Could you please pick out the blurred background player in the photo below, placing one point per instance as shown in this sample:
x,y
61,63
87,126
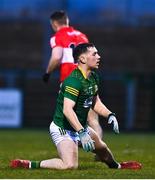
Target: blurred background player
x,y
62,43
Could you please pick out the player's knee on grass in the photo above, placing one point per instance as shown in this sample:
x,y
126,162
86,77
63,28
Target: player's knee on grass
x,y
71,165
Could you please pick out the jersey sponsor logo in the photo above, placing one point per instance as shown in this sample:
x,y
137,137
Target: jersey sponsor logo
x,y
88,102
77,33
72,90
89,91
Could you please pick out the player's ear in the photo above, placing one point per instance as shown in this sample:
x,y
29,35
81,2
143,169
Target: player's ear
x,y
54,25
82,59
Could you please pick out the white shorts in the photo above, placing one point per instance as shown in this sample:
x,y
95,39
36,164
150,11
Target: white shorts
x,y
58,134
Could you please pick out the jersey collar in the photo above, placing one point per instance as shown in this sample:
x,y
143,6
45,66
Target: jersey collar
x,y
83,73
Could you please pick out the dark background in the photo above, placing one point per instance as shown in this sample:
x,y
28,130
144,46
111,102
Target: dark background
x,y
122,30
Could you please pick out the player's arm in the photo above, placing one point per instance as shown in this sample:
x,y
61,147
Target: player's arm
x,y
70,114
54,62
102,110
87,142
55,59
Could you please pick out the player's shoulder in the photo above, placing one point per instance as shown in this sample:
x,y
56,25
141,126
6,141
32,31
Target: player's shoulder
x,y
62,34
72,81
62,31
58,34
58,38
75,76
72,31
80,36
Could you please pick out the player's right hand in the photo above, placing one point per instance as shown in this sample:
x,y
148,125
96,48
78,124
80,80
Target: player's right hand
x,y
86,141
112,120
46,77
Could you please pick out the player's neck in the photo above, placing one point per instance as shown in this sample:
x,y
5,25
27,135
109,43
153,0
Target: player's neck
x,y
84,70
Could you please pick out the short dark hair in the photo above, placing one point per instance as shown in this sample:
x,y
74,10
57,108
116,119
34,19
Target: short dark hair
x,y
59,16
80,49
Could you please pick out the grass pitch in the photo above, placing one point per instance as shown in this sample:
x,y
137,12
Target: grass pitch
x,y
36,145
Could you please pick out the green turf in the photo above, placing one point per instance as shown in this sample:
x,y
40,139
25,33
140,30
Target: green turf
x,y
36,145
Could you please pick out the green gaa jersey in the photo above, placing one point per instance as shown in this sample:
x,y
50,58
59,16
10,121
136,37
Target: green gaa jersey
x,y
82,91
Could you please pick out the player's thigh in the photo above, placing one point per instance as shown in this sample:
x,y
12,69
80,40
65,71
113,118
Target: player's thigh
x,y
98,141
66,143
93,121
92,116
68,152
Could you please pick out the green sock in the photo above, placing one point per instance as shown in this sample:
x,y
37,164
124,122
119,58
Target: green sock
x,y
35,164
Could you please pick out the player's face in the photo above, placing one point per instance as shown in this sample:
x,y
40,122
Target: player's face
x,y
93,58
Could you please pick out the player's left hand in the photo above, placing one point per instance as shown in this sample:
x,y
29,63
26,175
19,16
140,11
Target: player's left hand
x,y
112,119
46,77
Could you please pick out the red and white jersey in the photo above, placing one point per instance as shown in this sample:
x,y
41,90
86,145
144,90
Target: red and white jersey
x,y
67,38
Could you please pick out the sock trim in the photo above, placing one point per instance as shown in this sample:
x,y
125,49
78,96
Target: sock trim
x,y
35,164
